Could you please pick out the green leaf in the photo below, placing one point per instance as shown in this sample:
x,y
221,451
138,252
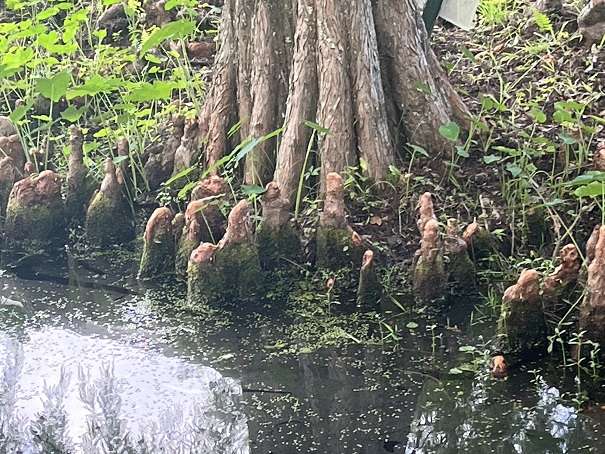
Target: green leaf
x,y
491,159
412,325
250,190
462,151
450,131
96,84
19,112
148,92
73,114
48,12
455,371
419,150
567,139
173,30
188,187
538,115
54,87
592,190
514,169
317,128
542,21
468,54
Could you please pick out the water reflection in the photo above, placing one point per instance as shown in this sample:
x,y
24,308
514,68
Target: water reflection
x,y
149,385
485,417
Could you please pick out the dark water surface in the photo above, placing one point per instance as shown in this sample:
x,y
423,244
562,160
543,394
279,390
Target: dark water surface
x,y
354,399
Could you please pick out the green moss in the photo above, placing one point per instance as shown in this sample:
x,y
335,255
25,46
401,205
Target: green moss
x,y
521,328
234,274
33,227
76,202
184,250
157,258
335,249
461,275
429,281
272,245
369,292
108,222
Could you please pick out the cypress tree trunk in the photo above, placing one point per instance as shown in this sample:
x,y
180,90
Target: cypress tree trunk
x,y
363,70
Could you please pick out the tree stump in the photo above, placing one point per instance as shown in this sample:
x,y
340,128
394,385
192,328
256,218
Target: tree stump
x,y
108,218
35,216
158,249
275,236
338,245
229,271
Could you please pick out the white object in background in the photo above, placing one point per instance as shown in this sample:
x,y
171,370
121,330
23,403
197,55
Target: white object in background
x,y
459,12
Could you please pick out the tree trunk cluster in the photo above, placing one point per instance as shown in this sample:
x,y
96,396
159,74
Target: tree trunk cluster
x,y
363,71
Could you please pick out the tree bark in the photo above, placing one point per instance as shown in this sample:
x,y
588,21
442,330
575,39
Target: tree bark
x,y
363,70
219,107
301,104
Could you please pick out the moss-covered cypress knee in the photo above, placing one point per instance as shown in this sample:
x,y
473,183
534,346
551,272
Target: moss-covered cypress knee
x,y
35,216
80,185
158,248
7,179
338,245
204,221
229,271
369,291
459,268
429,272
522,327
109,219
275,236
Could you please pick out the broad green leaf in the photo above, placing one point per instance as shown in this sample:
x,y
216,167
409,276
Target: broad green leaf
x,y
54,87
95,85
538,115
19,112
73,114
450,131
173,30
491,159
455,371
514,169
592,190
48,12
567,139
148,92
412,325
461,151
250,190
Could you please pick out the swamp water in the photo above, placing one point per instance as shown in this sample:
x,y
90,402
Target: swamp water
x,y
175,374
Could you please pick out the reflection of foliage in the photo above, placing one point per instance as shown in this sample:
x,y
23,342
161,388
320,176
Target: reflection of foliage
x,y
458,416
218,427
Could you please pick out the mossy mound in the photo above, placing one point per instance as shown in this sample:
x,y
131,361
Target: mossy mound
x,y
233,274
34,227
336,250
76,202
108,221
183,252
461,275
429,281
158,259
521,329
276,244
